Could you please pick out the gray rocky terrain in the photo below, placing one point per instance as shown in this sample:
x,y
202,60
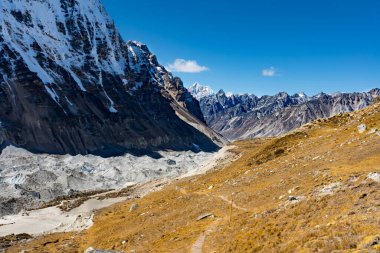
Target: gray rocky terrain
x,y
28,180
247,116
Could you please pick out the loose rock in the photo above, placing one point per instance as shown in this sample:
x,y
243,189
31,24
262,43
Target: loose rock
x,y
133,207
204,216
328,189
295,199
362,128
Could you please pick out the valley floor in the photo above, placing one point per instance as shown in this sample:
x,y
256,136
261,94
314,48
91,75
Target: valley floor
x,y
316,189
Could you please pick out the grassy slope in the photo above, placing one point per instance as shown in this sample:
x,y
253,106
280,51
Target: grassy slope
x,y
261,217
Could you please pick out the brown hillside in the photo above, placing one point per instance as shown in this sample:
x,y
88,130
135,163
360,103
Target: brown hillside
x,y
313,190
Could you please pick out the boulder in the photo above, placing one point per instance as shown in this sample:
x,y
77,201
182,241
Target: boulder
x,y
362,128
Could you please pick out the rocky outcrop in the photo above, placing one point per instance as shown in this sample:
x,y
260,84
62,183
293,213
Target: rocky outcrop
x,y
70,85
247,116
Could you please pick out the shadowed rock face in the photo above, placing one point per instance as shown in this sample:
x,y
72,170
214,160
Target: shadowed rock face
x,y
248,116
70,85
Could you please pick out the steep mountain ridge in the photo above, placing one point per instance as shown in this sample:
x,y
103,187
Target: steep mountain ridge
x,y
69,84
247,116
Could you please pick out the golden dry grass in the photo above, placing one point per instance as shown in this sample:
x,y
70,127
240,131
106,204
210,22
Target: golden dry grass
x,y
262,218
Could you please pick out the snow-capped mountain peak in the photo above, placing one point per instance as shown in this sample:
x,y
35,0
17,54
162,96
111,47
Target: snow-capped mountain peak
x,y
70,84
302,95
51,29
200,91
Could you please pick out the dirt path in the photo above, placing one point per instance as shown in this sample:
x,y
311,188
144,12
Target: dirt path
x,y
198,245
230,202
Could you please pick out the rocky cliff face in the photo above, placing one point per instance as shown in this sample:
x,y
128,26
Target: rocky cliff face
x,y
69,84
248,116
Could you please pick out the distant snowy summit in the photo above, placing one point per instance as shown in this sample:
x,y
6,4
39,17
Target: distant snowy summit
x,y
200,91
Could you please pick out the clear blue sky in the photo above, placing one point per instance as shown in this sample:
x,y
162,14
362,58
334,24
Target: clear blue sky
x,y
304,45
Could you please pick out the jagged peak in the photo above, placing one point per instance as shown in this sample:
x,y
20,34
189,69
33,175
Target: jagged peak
x,y
221,92
321,94
200,91
375,91
138,44
282,95
302,94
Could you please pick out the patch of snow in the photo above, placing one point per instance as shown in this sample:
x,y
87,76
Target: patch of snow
x,y
112,109
229,94
302,95
52,94
52,219
374,176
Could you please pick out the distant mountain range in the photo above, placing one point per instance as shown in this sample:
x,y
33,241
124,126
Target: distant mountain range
x,y
247,116
69,84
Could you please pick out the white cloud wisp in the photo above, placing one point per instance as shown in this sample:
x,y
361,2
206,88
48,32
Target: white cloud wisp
x,y
269,72
184,66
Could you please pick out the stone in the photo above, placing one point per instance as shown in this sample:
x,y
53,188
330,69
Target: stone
x,y
362,128
295,199
171,162
204,216
133,207
372,131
